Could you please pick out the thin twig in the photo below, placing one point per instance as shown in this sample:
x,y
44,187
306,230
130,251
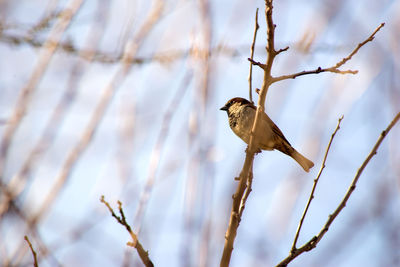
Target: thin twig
x,y
246,193
282,50
256,27
335,68
19,253
35,261
369,39
315,185
312,243
253,62
143,254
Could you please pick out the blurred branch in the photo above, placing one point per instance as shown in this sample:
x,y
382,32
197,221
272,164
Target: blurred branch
x,y
206,137
130,51
35,262
18,181
158,148
335,68
46,54
143,254
312,243
256,27
44,23
112,58
73,156
315,185
165,57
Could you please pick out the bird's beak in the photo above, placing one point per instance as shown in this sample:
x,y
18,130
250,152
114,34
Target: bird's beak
x,y
224,108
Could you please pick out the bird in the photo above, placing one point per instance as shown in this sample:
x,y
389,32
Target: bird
x,y
241,115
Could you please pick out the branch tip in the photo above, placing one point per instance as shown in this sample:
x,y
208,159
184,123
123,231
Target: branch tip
x,y
34,254
261,65
282,50
335,68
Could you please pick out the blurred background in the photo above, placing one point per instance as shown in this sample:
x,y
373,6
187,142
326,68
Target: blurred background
x,y
121,99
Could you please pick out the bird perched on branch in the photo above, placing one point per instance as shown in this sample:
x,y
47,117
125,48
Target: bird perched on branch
x,y
241,115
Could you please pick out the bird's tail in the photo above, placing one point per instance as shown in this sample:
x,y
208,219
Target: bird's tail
x,y
305,163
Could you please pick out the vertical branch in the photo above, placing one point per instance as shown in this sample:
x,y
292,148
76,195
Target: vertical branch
x,y
256,27
239,198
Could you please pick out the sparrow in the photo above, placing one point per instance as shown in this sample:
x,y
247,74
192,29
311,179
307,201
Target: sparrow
x,y
241,114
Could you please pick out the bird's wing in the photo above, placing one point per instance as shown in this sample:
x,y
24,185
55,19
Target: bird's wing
x,y
276,130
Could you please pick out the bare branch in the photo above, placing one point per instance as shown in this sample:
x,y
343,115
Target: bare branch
x,y
335,68
312,243
256,27
369,39
270,31
246,193
315,185
143,254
